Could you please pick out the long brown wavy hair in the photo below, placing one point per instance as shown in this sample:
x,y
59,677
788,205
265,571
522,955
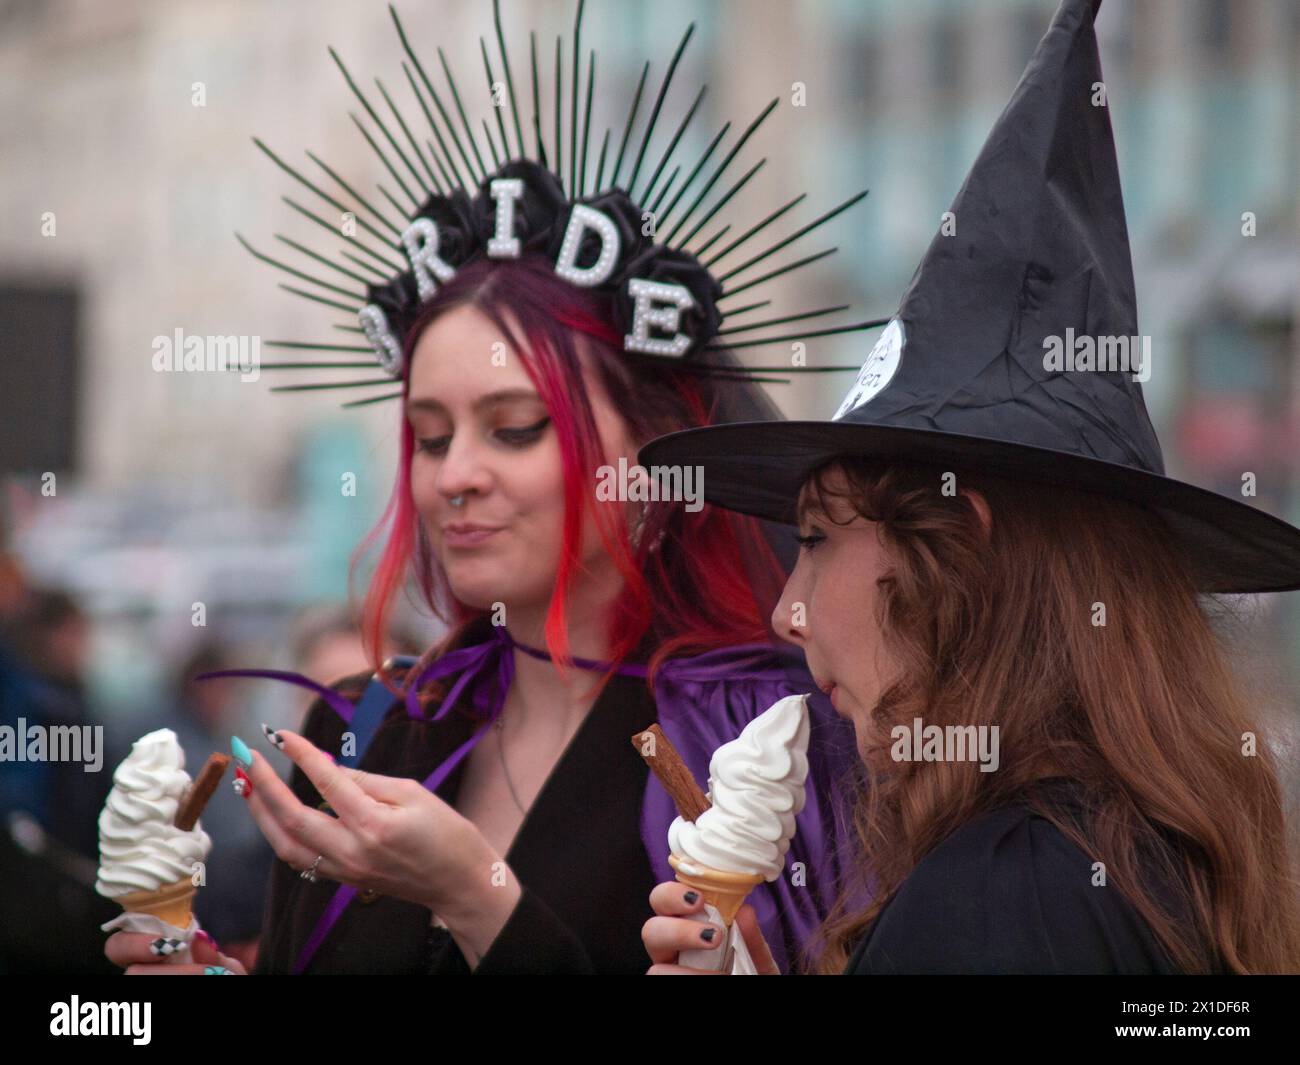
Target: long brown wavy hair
x,y
998,627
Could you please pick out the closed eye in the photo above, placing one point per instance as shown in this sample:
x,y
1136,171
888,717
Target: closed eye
x,y
523,435
433,445
514,437
807,543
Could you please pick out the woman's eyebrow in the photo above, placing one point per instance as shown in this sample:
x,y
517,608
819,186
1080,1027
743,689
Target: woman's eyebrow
x,y
492,399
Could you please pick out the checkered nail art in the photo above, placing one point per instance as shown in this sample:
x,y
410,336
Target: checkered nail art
x,y
164,947
273,736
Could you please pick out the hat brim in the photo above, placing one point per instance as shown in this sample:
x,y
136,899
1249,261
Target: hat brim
x,y
758,468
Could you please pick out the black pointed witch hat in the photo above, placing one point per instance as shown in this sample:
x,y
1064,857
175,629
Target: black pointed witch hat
x,y
992,360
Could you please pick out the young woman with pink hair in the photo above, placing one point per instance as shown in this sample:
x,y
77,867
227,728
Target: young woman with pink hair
x,y
576,624
557,308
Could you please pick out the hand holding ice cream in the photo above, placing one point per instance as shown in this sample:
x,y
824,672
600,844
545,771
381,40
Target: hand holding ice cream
x,y
727,843
146,859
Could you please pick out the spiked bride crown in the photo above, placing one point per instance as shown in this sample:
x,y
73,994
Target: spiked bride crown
x,y
639,228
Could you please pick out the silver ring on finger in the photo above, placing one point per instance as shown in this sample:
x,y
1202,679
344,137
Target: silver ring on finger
x,y
310,874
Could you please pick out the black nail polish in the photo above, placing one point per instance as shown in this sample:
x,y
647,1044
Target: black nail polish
x,y
708,934
691,898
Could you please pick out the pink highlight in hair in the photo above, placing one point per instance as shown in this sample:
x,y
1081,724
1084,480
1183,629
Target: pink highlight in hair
x,y
694,593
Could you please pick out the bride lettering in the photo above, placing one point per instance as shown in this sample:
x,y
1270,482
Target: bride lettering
x,y
655,304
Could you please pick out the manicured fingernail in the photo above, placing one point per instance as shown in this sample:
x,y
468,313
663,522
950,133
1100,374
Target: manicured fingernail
x,y
217,970
241,752
691,897
242,785
708,934
273,736
163,947
200,934
330,757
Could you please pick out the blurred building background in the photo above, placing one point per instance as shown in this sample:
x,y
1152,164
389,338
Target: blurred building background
x,y
126,167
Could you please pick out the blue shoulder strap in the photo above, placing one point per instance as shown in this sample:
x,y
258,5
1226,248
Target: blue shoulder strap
x,y
370,711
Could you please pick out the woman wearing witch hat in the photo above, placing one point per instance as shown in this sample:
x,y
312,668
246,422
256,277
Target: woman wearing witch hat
x,y
485,810
1001,591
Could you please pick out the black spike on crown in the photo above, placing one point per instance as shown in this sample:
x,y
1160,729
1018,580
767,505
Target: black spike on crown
x,y
659,283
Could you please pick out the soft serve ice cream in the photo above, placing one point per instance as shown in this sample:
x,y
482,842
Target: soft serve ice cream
x,y
140,847
756,788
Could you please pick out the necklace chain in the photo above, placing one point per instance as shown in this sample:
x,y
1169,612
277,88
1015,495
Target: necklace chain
x,y
501,750
499,727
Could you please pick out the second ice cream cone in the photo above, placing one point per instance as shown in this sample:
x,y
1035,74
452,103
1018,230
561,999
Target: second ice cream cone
x,y
724,890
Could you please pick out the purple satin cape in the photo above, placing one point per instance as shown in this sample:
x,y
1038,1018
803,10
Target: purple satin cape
x,y
702,702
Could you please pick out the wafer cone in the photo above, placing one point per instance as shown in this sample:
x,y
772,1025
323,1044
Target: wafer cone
x,y
724,890
171,903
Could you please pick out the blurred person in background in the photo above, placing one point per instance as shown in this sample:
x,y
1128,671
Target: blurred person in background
x,y
327,646
49,912
49,640
19,691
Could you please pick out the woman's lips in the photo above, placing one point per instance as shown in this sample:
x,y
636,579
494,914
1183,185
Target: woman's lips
x,y
466,534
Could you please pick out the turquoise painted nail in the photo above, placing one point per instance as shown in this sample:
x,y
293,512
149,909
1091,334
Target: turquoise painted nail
x,y
241,752
217,970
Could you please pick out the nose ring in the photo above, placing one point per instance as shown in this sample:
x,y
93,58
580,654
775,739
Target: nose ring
x,y
457,501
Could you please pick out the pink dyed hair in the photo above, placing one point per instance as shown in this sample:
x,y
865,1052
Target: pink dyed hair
x,y
692,594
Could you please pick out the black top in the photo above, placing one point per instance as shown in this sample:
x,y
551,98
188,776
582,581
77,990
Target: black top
x,y
1008,893
585,893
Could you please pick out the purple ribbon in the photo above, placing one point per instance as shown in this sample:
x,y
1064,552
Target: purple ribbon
x,y
474,664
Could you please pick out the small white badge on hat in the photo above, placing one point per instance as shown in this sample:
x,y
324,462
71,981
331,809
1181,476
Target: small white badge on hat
x,y
877,371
